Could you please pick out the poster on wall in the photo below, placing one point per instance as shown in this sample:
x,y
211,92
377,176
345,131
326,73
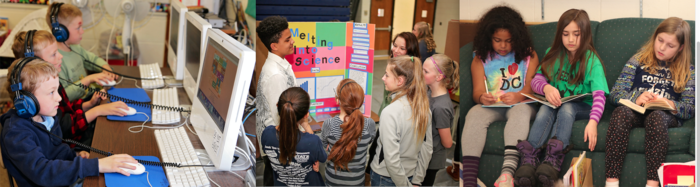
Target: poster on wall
x,y
325,53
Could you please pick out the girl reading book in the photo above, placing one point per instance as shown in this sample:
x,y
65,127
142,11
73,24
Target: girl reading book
x,y
504,57
660,71
570,67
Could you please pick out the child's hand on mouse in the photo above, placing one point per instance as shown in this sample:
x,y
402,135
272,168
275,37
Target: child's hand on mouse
x,y
98,78
487,99
83,154
113,108
552,95
114,163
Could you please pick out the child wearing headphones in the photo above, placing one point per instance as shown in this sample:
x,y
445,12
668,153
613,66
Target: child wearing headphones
x,y
66,23
78,115
32,150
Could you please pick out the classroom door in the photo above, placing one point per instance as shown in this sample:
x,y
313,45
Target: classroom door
x,y
381,15
425,11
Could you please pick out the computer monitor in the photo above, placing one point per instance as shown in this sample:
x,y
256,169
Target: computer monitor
x,y
176,59
222,89
195,37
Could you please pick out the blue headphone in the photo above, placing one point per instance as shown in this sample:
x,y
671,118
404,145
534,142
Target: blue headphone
x,y
26,104
59,30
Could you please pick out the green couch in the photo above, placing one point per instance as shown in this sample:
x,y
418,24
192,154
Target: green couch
x,y
616,41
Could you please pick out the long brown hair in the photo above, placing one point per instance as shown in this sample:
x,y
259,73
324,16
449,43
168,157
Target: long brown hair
x,y
679,64
292,105
414,89
351,97
412,48
559,51
424,33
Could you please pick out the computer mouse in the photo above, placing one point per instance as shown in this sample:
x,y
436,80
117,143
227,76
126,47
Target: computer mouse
x,y
110,83
129,112
138,171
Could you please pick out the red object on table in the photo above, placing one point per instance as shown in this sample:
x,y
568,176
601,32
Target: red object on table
x,y
120,62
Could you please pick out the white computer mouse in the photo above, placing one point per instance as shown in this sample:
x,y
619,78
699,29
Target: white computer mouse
x,y
138,171
110,83
129,112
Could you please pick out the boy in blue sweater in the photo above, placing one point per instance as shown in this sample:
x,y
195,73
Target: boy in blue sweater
x,y
33,156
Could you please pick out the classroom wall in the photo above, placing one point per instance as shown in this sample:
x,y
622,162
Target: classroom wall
x,y
446,10
598,10
363,14
403,16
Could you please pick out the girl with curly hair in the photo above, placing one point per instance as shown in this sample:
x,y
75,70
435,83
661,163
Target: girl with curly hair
x,y
426,44
504,63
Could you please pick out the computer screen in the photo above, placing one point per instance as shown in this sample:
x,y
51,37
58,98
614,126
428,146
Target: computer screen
x,y
195,37
218,76
176,59
225,74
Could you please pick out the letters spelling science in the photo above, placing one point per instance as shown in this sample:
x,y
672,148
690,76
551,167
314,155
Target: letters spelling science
x,y
325,53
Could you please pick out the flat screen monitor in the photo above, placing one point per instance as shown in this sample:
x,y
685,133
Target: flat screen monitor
x,y
196,33
225,74
176,59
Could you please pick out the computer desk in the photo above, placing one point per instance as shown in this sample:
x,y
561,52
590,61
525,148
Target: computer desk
x,y
114,137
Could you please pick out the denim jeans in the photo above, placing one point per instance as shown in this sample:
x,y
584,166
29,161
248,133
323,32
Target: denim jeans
x,y
557,122
379,180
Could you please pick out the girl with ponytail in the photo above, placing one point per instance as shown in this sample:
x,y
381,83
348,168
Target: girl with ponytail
x,y
440,73
293,153
347,137
404,141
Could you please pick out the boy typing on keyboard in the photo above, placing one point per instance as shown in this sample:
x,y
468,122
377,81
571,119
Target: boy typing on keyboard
x,y
32,150
76,60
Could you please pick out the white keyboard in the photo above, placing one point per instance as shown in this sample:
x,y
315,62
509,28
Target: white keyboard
x,y
151,71
175,146
165,97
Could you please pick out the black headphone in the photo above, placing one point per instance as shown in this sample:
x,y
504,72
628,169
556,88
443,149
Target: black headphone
x,y
26,104
59,30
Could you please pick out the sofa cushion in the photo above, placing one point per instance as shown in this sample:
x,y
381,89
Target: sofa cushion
x,y
618,40
543,36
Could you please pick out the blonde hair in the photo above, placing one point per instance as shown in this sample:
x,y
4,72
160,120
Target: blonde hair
x,y
414,89
449,68
679,64
34,73
424,33
41,39
66,13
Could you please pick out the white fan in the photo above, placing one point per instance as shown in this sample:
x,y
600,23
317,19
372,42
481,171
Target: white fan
x,y
134,10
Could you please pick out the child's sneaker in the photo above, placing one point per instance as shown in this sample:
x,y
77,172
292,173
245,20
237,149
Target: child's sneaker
x,y
525,175
548,171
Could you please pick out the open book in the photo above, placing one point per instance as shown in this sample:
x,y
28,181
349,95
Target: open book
x,y
543,100
651,105
501,104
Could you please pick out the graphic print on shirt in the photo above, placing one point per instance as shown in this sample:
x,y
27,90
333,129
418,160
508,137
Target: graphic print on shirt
x,y
661,82
293,174
503,74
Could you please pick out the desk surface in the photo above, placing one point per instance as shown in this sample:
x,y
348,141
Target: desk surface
x,y
113,136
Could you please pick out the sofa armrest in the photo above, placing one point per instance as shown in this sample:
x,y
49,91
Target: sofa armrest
x,y
690,125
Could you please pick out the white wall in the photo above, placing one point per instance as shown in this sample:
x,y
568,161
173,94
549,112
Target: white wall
x,y
446,10
363,14
598,10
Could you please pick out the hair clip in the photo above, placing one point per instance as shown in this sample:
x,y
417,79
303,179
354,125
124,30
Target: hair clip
x,y
412,59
